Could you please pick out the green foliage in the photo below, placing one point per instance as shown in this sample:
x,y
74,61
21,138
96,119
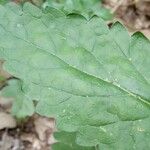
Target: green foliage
x,y
66,141
87,8
22,106
4,1
2,81
1,78
94,80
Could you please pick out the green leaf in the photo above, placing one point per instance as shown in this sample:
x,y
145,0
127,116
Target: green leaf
x,y
87,8
4,1
66,141
94,80
1,78
22,105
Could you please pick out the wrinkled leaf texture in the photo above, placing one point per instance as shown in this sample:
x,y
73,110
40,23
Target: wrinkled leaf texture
x,y
87,8
94,80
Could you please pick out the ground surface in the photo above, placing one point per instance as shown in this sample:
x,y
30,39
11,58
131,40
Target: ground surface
x,y
135,14
35,133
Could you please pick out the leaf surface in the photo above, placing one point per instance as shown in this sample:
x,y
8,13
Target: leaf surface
x,y
87,8
67,141
22,105
93,80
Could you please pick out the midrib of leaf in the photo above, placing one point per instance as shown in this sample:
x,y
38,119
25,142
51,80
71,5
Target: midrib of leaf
x,y
138,97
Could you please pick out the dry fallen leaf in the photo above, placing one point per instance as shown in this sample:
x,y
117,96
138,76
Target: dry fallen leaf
x,y
6,142
7,121
35,143
6,103
41,137
135,14
44,127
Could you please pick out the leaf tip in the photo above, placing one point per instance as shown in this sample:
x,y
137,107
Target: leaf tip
x,y
139,35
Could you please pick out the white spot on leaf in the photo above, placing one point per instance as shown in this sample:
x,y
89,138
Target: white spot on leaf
x,y
130,59
18,25
140,129
103,129
106,80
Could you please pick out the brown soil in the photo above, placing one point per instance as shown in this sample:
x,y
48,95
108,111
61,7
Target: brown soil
x,y
135,14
